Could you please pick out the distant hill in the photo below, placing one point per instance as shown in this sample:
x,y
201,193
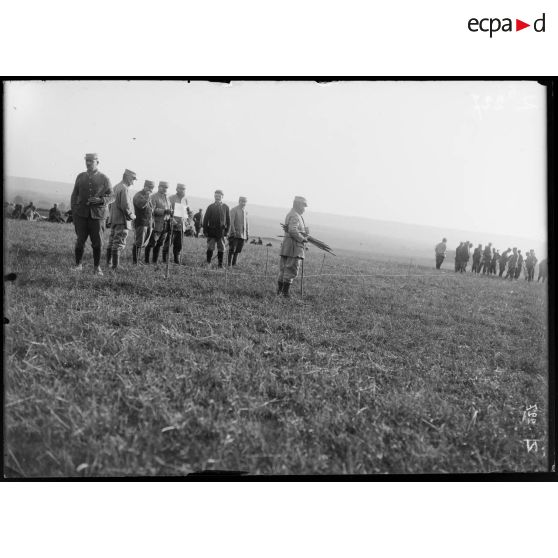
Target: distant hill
x,y
382,239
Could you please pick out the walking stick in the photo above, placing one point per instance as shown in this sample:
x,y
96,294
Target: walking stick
x,y
302,281
266,258
321,268
170,247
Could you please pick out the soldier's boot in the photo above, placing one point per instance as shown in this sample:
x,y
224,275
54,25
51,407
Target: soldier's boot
x,y
115,259
147,253
78,252
209,255
97,257
109,256
229,258
286,287
279,287
220,259
176,257
156,254
135,254
234,258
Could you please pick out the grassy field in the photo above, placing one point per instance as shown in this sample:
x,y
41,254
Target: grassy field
x,y
380,368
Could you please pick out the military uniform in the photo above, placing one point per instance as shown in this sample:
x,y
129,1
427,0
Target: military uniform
x,y
161,215
293,248
440,252
238,233
88,219
177,229
144,218
216,224
121,217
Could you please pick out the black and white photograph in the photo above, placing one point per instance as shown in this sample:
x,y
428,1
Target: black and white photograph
x,y
275,277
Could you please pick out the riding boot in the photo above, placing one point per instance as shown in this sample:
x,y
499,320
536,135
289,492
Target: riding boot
x,y
234,258
279,287
109,256
209,255
135,255
147,253
156,254
97,256
220,259
78,254
286,287
115,259
229,258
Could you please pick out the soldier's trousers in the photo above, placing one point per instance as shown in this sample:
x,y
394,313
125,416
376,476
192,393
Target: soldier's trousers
x,y
177,237
117,238
530,272
439,260
288,269
142,235
86,227
211,241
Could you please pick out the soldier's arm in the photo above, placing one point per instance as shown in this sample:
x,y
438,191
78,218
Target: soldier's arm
x,y
156,210
227,220
232,230
107,196
292,227
141,200
75,192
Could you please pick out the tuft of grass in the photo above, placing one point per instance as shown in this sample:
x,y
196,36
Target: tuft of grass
x,y
380,368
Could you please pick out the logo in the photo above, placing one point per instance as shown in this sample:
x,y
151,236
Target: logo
x,y
493,25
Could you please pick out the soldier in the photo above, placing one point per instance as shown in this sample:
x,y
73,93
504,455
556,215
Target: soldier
x,y
477,259
91,194
292,247
486,258
503,261
440,252
121,217
494,261
512,264
162,214
530,263
198,220
178,224
28,211
55,215
519,265
238,234
144,219
216,224
458,256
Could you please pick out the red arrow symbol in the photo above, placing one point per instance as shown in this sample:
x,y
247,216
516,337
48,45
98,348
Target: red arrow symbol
x,y
519,25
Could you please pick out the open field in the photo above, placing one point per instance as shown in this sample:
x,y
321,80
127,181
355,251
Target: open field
x,y
402,371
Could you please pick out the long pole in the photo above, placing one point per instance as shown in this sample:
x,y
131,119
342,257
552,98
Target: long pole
x,y
323,260
302,281
170,248
266,258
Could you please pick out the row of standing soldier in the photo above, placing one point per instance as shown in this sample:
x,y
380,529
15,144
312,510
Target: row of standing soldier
x,y
489,261
153,214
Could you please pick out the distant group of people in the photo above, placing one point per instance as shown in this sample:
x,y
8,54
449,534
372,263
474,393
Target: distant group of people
x,y
159,221
31,213
489,261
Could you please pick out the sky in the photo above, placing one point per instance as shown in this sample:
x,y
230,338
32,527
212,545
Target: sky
x,y
467,155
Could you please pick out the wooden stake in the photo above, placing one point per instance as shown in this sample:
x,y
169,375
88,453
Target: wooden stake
x,y
321,268
302,281
170,249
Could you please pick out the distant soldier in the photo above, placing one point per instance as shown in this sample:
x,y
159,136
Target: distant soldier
x,y
55,215
189,229
477,254
8,209
178,224
543,270
238,233
28,211
161,216
530,263
292,247
69,217
121,217
198,220
504,260
440,252
458,256
486,258
519,265
216,224
91,194
494,261
512,264
144,219
260,242
18,210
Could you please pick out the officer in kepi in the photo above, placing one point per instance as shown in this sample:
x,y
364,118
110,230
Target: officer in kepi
x,y
90,197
